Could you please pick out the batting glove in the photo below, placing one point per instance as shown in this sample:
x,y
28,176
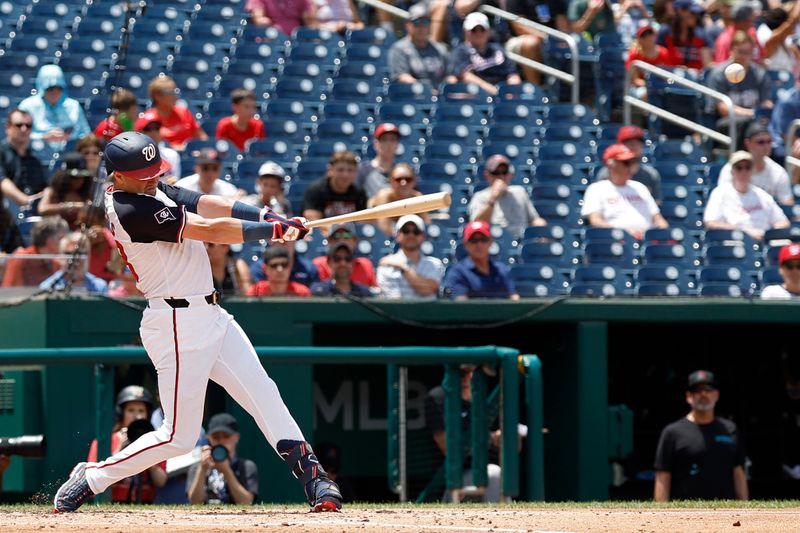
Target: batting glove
x,y
285,230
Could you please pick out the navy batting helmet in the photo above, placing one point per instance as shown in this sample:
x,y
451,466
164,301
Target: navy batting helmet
x,y
135,155
133,393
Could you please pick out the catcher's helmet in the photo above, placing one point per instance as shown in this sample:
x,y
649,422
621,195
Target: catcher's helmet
x,y
134,393
135,155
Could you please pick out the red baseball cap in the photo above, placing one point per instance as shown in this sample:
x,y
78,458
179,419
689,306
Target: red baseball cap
x,y
626,133
789,253
641,31
476,226
386,127
145,119
618,152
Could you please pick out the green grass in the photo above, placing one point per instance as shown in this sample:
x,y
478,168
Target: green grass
x,y
520,506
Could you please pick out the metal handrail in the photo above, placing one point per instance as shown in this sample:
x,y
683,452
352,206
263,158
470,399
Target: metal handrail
x,y
671,77
788,139
574,78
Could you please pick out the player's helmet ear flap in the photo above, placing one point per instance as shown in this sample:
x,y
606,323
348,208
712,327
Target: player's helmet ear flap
x,y
135,155
133,393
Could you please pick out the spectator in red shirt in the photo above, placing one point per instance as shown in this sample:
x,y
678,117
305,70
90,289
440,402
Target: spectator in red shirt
x,y
124,110
742,18
363,270
45,236
644,48
286,15
684,38
242,125
278,267
178,124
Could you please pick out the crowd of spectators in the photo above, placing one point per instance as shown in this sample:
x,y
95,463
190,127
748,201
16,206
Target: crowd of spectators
x,y
439,43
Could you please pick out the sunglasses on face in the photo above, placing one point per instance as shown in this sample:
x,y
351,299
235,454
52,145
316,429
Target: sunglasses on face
x,y
791,266
743,167
421,22
22,125
410,231
475,240
209,167
152,127
53,88
477,29
763,142
283,265
342,258
626,163
502,172
702,388
398,179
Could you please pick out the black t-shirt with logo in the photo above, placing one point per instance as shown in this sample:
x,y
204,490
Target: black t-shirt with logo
x,y
320,197
701,458
217,491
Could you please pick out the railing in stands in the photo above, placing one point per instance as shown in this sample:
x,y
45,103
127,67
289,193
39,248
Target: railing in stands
x,y
573,78
788,140
671,77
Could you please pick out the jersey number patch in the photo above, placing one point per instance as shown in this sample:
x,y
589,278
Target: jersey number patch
x,y
164,215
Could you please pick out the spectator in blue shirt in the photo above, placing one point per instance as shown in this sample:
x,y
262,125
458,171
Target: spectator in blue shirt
x,y
478,276
479,61
73,269
786,110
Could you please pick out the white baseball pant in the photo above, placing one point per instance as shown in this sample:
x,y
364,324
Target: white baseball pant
x,y
188,346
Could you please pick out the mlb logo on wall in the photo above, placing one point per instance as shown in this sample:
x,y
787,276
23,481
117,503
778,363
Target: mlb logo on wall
x,y
164,215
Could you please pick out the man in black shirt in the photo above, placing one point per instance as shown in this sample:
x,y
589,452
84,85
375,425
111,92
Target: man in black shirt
x,y
700,456
21,173
336,193
222,477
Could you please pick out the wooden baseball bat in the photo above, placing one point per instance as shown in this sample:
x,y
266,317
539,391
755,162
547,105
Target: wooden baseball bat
x,y
418,204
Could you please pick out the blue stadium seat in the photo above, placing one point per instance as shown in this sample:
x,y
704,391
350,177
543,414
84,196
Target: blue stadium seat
x,y
571,114
261,85
770,276
679,214
288,129
304,89
273,147
553,191
322,73
682,171
658,289
679,192
783,234
259,35
559,213
517,153
720,289
367,53
363,70
518,112
609,253
728,237
565,151
442,171
771,255
672,254
356,112
342,130
371,35
447,150
567,132
735,256
288,109
461,91
324,149
317,53
678,150
664,236
549,233
460,112
216,31
303,35
309,170
43,46
551,253
409,92
562,172
514,133
676,274
523,92
261,51
454,131
356,91
607,235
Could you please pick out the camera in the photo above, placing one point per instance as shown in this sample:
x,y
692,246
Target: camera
x,y
219,453
24,446
137,428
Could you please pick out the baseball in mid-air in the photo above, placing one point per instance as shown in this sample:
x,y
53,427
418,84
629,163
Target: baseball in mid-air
x,y
734,72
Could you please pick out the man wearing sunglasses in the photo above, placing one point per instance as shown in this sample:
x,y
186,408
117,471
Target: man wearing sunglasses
x,y
767,174
479,61
278,268
620,202
409,273
207,168
362,272
789,261
741,205
633,138
416,58
701,455
477,275
502,204
21,173
340,263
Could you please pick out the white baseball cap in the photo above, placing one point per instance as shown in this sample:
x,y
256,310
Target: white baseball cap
x,y
473,20
271,168
405,219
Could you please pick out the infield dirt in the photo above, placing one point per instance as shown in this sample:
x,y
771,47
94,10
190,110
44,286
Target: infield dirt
x,y
375,519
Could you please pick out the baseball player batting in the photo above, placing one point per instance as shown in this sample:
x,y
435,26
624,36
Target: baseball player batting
x,y
159,230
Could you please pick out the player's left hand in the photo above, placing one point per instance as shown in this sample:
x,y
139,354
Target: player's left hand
x,y
289,230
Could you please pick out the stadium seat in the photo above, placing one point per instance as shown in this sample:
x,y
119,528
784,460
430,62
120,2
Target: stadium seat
x,y
678,150
664,236
593,290
305,89
720,289
565,151
770,276
460,112
567,132
552,253
518,112
517,153
549,233
519,134
322,73
571,114
735,256
522,92
342,130
362,70
671,254
409,92
676,274
658,289
272,147
609,253
356,91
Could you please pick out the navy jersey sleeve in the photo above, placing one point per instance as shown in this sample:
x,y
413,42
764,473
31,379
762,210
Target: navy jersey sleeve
x,y
181,196
146,219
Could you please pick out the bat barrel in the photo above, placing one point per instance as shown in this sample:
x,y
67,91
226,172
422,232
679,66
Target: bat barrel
x,y
418,204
